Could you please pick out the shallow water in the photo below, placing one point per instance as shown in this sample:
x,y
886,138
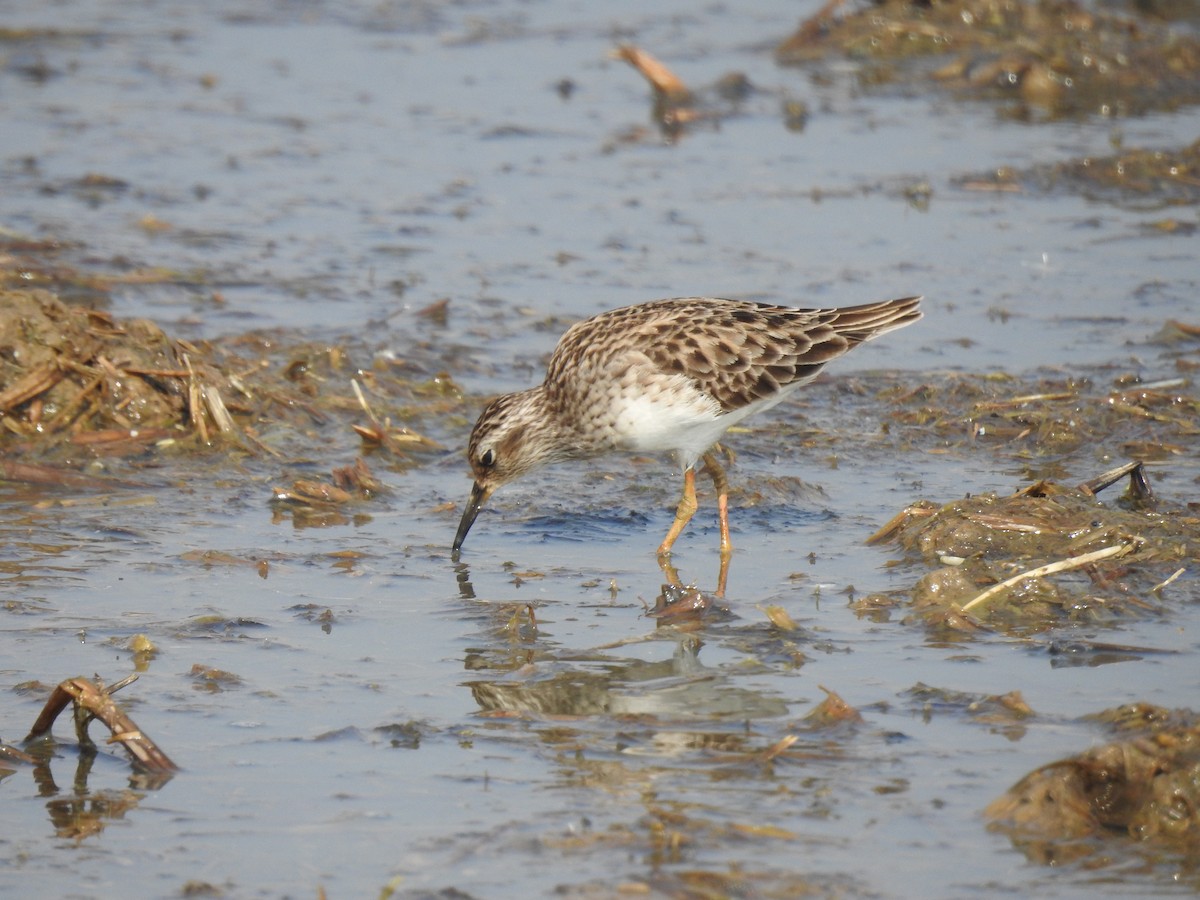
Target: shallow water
x,y
329,169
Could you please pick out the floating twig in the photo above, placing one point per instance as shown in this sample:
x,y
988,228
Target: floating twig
x,y
778,747
1139,486
1157,589
665,83
12,754
996,405
35,473
93,700
920,510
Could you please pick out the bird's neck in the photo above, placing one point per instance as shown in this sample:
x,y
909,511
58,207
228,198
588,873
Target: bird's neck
x,y
567,431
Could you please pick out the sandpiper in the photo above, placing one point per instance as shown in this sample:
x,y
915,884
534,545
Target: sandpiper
x,y
667,375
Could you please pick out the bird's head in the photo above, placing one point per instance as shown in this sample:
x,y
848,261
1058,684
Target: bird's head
x,y
510,439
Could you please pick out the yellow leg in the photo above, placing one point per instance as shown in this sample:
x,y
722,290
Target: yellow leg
x,y
669,571
723,575
683,513
721,483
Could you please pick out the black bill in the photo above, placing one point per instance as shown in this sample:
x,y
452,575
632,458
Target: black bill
x,y
479,496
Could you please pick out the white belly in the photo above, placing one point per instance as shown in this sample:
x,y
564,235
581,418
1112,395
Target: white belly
x,y
679,419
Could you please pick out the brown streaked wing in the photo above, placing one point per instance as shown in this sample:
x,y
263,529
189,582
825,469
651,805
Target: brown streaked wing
x,y
735,351
741,352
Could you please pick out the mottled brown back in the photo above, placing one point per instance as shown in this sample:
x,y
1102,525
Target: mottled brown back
x,y
735,351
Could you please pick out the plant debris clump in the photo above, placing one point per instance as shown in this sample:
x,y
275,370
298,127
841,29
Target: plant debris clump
x,y
1144,787
1053,554
1143,176
995,556
77,383
1048,58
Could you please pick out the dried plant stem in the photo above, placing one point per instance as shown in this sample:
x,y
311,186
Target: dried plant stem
x,y
93,699
1063,565
1162,584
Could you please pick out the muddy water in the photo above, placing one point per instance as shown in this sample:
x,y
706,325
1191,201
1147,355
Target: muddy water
x,y
395,720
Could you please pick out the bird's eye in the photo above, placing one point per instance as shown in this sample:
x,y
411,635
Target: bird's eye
x,y
487,459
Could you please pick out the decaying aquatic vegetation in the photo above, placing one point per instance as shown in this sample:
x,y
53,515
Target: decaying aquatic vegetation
x,y
1143,787
28,263
350,483
1007,714
77,384
382,434
1145,177
996,556
1042,58
1054,554
212,680
76,376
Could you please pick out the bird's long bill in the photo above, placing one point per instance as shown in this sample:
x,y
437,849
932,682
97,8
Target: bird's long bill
x,y
479,496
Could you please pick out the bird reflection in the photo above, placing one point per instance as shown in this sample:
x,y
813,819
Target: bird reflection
x,y
679,688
